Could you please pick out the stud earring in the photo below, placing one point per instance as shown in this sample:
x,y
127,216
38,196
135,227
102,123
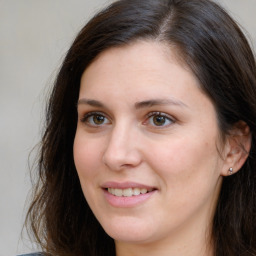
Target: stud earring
x,y
230,171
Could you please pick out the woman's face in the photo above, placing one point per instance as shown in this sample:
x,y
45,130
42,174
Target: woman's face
x,y
146,145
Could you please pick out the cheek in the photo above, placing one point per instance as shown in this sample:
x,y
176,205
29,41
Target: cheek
x,y
185,162
172,154
86,156
189,174
87,159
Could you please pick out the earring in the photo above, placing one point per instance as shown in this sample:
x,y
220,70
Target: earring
x,y
230,171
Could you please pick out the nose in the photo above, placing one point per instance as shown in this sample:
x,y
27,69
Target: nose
x,y
122,150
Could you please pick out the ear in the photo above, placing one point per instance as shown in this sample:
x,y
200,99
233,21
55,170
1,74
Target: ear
x,y
237,147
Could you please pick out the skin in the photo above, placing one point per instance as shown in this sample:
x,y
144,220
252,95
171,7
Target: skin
x,y
180,158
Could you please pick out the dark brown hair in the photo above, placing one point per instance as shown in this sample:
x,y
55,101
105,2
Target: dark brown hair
x,y
215,49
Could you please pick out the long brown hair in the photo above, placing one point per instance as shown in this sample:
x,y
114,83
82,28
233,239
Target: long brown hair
x,y
215,49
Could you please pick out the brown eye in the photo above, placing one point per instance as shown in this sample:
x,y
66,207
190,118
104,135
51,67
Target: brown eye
x,y
95,119
159,120
98,119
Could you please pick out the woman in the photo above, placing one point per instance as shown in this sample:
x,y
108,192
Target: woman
x,y
149,147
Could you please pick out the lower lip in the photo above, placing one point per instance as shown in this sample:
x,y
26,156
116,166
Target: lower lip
x,y
129,201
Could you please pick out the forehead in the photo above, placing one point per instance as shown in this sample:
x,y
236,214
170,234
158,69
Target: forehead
x,y
145,60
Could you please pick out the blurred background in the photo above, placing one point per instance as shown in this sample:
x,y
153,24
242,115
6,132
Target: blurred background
x,y
34,37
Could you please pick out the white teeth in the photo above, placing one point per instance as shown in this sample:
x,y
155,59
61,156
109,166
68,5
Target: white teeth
x,y
118,192
143,191
128,191
136,191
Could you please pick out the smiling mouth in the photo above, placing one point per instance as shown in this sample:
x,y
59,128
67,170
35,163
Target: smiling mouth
x,y
128,192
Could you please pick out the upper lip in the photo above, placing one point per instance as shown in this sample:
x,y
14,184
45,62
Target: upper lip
x,y
124,185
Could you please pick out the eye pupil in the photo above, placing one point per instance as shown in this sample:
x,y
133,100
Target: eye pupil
x,y
97,119
159,120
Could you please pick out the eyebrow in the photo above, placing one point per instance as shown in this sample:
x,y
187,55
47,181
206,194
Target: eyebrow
x,y
93,103
159,102
138,105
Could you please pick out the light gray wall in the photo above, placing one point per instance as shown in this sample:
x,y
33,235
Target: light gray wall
x,y
243,11
34,36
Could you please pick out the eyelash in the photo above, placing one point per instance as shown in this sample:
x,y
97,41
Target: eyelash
x,y
86,117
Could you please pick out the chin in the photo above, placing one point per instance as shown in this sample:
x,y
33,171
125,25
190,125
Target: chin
x,y
129,230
